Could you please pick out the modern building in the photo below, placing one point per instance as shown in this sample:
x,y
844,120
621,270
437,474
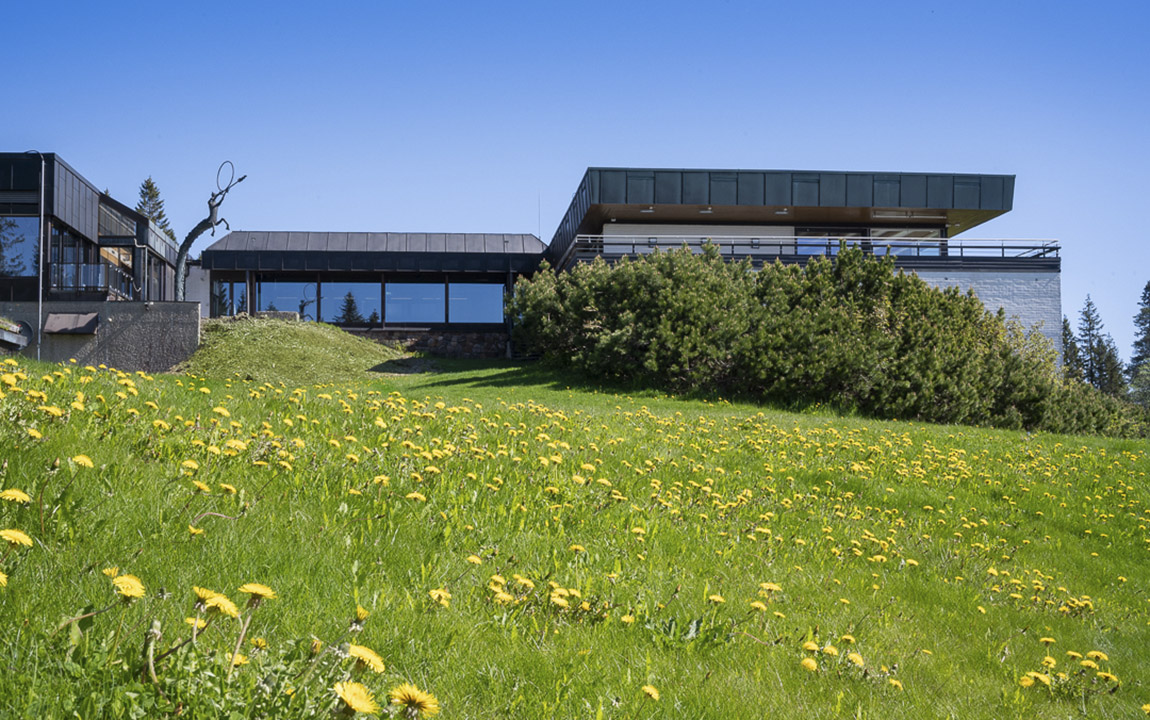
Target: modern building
x,y
96,248
445,284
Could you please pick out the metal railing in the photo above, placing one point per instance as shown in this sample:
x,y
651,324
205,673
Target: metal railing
x,y
769,247
99,277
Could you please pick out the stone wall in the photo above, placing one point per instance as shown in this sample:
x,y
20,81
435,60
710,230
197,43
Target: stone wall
x,y
444,343
1033,298
131,335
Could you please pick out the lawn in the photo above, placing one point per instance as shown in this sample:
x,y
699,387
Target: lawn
x,y
519,548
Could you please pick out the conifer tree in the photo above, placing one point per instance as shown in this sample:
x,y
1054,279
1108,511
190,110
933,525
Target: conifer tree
x,y
1101,366
151,206
1071,354
349,311
1140,357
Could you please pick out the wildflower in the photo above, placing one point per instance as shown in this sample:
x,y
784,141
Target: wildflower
x,y
1049,662
16,496
361,613
83,461
855,659
1040,677
416,496
259,643
15,538
129,586
810,646
190,464
202,487
1088,664
895,683
577,548
440,596
256,590
197,623
474,560
1073,655
848,639
810,665
1047,641
221,604
651,691
3,580
1026,681
831,650
221,411
239,659
111,571
195,530
34,433
756,605
229,489
414,702
366,657
627,619
1107,677
717,599
1098,655
357,697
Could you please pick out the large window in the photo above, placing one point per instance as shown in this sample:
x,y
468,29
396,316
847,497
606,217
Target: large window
x,y
475,303
18,236
273,295
415,303
350,303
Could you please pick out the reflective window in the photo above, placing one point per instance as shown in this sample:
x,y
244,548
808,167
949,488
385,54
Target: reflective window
x,y
475,303
350,303
415,303
273,295
18,256
228,298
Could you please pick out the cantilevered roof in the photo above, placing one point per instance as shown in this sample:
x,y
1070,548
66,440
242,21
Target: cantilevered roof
x,y
373,252
957,202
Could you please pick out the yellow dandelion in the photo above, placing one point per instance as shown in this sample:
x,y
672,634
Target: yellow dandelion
x,y
1040,677
202,487
361,613
111,571
627,619
221,604
577,548
416,496
366,657
357,697
129,586
1026,681
195,530
474,560
651,691
256,590
717,599
221,411
1098,655
198,623
810,665
756,605
83,461
895,683
239,659
229,489
850,639
1088,664
810,646
831,650
1073,655
34,433
413,702
15,538
440,596
190,464
1049,662
3,580
1047,641
855,659
16,496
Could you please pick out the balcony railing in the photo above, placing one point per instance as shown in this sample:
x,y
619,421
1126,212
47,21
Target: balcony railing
x,y
102,277
768,248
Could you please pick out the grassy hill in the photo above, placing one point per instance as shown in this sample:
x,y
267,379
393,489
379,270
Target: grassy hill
x,y
524,549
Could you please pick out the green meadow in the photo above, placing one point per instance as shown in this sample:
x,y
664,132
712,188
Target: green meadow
x,y
514,544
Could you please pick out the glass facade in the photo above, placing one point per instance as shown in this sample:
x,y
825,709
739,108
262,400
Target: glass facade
x,y
287,296
228,298
352,303
18,236
475,303
415,303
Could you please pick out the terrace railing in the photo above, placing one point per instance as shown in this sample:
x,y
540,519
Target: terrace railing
x,y
791,248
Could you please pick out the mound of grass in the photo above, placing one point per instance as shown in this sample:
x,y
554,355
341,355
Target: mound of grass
x,y
294,353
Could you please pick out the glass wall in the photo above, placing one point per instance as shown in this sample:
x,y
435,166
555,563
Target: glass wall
x,y
228,298
75,264
415,303
18,257
475,303
351,303
288,296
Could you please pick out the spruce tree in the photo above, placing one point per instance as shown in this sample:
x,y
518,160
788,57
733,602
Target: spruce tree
x,y
151,206
349,311
1140,357
1090,343
1071,354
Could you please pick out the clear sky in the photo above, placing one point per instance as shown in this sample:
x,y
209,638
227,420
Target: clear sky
x,y
482,116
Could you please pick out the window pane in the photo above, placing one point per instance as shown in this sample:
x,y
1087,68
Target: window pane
x,y
18,246
298,297
415,303
350,303
475,303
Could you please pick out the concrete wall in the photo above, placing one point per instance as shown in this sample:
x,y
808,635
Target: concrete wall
x,y
198,288
131,335
1033,298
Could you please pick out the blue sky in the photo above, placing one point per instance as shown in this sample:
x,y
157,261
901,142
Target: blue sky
x,y
439,116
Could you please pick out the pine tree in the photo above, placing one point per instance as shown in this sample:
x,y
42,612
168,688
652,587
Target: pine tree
x,y
373,318
1101,365
1140,357
349,312
1071,355
151,206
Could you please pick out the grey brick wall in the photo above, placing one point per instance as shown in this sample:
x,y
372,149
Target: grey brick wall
x,y
1035,299
131,335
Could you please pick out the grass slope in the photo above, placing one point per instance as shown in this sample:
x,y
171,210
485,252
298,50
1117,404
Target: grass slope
x,y
528,550
283,351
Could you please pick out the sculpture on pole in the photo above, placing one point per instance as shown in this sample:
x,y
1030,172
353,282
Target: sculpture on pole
x,y
209,223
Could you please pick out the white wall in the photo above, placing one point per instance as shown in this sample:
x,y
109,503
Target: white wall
x,y
198,288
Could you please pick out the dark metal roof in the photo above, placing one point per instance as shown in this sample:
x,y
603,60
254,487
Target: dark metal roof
x,y
780,197
381,251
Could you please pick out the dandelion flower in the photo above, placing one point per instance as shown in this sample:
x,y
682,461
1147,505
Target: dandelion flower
x,y
440,596
366,657
129,586
1026,681
810,665
1088,664
414,702
416,496
256,590
83,461
810,646
239,659
195,530
474,560
756,605
3,580
1040,677
651,691
357,697
1073,655
895,683
16,496
1098,655
222,605
361,613
197,623
1049,662
15,538
1047,641
855,659
717,599
34,433
111,571
190,465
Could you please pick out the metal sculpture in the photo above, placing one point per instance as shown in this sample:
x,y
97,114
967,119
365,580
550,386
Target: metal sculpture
x,y
209,223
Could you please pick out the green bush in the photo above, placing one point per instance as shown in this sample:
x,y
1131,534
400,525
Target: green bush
x,y
850,332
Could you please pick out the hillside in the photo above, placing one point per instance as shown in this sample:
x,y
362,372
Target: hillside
x,y
528,550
